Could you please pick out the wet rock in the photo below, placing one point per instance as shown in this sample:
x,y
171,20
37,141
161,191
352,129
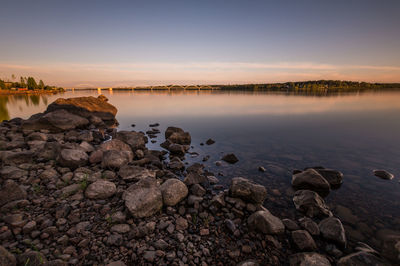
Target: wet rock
x,y
383,174
177,149
86,107
230,158
308,259
7,258
262,169
310,179
57,121
346,215
311,204
195,178
113,159
332,229
135,173
303,240
178,136
290,224
361,258
210,142
197,190
247,190
173,191
265,222
101,189
11,191
334,177
144,198
73,158
136,140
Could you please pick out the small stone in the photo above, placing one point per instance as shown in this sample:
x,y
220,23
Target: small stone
x,y
181,224
230,158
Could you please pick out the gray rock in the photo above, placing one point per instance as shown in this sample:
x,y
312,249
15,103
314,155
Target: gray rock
x,y
310,179
311,204
178,136
391,247
135,173
248,263
195,178
11,191
120,228
361,258
136,140
308,259
173,191
32,257
197,190
332,229
303,240
115,159
116,263
265,222
334,177
101,189
144,198
73,158
247,190
6,258
310,226
12,172
290,224
177,149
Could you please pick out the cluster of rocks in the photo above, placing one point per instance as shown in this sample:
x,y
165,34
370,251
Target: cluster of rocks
x,y
76,191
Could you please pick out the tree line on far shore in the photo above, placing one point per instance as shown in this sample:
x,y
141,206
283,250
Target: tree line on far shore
x,y
24,83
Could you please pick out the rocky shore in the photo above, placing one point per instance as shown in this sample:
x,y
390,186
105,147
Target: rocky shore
x,y
76,191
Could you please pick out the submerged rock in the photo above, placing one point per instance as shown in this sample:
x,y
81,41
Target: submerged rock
x,y
310,203
247,190
383,174
361,258
178,136
334,177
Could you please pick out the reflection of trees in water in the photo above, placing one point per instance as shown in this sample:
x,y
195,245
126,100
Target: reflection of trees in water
x,y
3,108
29,100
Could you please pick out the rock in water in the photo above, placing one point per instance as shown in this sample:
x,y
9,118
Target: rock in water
x,y
303,240
332,229
308,259
310,203
86,107
56,121
73,158
230,158
144,198
310,179
247,190
178,136
334,177
173,191
265,222
210,142
391,247
101,189
383,174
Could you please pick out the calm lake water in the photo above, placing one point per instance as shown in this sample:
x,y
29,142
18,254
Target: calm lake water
x,y
353,133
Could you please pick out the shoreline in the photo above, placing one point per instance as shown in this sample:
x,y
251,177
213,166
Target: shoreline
x,y
69,196
28,92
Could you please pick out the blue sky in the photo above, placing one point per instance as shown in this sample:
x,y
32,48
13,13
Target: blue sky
x,y
97,43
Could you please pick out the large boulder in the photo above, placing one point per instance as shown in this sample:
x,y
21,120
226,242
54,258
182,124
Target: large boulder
x,y
86,107
11,191
173,191
6,258
101,189
308,259
73,158
247,190
117,145
136,140
135,173
265,222
310,179
143,198
332,229
56,121
311,204
178,136
115,159
361,258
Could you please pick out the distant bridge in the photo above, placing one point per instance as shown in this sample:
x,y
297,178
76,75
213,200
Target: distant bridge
x,y
168,87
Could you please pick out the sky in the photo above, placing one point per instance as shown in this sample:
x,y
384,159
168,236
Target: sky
x,y
90,43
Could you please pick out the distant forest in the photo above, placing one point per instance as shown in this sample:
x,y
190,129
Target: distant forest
x,y
28,83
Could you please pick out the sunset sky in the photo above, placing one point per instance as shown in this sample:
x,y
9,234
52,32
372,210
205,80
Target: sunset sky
x,y
121,43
